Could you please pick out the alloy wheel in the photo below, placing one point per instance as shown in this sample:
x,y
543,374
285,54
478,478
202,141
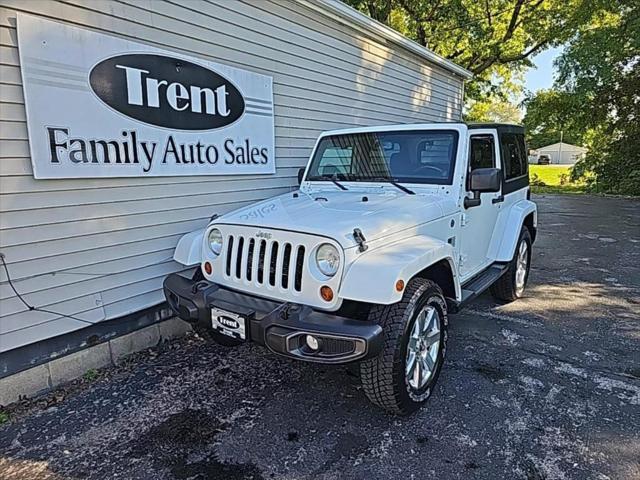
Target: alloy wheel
x,y
423,348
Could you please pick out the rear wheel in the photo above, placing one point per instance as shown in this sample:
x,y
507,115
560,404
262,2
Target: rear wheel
x,y
401,378
511,285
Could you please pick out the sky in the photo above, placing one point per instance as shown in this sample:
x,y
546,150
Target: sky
x,y
541,76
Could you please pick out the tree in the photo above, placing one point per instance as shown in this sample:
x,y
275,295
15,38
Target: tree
x,y
478,34
493,39
494,100
550,112
601,70
493,110
596,99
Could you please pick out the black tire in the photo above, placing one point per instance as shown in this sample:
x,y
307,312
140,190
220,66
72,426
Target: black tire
x,y
206,332
383,378
505,288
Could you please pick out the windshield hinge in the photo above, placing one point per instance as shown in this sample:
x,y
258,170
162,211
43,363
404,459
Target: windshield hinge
x,y
360,240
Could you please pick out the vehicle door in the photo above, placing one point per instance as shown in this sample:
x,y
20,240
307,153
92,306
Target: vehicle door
x,y
478,222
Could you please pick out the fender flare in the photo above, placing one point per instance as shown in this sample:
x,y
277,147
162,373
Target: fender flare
x,y
372,276
516,216
189,249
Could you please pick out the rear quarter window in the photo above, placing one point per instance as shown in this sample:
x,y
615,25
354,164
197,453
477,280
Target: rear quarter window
x,y
514,155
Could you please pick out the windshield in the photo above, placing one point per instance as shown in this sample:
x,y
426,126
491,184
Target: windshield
x,y
416,156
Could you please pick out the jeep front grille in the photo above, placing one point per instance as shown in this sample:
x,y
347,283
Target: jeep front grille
x,y
263,262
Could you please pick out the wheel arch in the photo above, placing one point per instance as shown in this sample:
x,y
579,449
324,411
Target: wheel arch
x,y
441,273
189,249
530,223
522,213
372,276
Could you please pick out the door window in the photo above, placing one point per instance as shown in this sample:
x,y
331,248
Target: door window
x,y
482,152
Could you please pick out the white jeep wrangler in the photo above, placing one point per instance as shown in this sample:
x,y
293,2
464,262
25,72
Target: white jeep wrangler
x,y
392,228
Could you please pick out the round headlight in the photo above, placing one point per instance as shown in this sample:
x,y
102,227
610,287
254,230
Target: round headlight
x,y
328,259
215,241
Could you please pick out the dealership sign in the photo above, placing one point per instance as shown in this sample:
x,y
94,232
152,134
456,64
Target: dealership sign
x,y
101,106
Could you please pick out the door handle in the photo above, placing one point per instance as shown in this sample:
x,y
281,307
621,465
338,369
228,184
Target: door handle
x,y
498,199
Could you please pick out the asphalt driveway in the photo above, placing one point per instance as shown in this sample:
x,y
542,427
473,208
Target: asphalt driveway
x,y
545,388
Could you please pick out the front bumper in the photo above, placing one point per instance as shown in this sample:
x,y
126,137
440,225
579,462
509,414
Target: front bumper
x,y
281,327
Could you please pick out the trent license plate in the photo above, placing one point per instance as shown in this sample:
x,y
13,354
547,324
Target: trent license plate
x,y
228,323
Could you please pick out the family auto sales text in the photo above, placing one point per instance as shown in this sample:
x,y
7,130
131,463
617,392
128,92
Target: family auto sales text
x,y
131,150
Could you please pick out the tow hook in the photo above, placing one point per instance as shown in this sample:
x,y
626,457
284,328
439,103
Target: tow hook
x,y
289,309
201,285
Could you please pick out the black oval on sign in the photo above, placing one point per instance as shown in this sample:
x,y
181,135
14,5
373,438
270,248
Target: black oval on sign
x,y
228,322
166,92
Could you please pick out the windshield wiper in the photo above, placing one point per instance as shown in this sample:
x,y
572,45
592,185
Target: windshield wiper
x,y
331,178
394,183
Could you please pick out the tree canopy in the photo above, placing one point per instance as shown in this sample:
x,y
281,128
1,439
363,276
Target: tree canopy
x,y
494,39
551,115
480,35
596,98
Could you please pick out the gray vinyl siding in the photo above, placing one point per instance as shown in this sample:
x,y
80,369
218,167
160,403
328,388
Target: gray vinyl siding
x,y
100,248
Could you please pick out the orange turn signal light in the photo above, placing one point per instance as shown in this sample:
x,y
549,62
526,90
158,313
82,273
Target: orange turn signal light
x,y
326,293
400,285
208,268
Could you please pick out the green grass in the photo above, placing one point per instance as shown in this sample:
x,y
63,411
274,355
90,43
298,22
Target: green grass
x,y
553,179
90,375
4,417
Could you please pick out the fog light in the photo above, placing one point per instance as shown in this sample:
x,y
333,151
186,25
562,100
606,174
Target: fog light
x,y
208,268
326,293
312,342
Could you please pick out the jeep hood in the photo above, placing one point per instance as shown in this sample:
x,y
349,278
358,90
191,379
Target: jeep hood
x,y
336,214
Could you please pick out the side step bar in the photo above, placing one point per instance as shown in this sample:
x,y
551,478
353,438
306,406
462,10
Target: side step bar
x,y
478,284
481,282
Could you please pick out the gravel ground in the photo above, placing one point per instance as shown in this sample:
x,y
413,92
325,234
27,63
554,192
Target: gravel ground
x,y
545,388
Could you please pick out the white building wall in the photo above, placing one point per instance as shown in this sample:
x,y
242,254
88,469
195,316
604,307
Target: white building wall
x,y
98,249
567,155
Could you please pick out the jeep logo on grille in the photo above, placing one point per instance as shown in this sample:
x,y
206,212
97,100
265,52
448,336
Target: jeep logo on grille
x,y
228,322
264,235
167,92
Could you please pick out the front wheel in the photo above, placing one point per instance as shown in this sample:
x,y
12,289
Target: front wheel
x,y
510,286
401,378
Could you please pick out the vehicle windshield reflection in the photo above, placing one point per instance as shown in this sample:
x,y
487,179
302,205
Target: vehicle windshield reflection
x,y
417,156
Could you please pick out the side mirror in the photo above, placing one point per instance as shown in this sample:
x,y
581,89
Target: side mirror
x,y
482,180
485,180
300,175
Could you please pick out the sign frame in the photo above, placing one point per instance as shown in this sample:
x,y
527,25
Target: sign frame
x,y
148,111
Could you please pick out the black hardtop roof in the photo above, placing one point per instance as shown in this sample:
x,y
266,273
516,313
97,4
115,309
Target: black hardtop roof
x,y
504,127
